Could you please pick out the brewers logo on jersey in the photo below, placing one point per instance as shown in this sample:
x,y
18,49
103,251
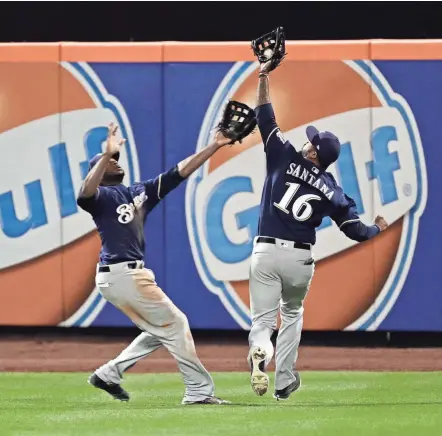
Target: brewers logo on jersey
x,y
381,166
54,119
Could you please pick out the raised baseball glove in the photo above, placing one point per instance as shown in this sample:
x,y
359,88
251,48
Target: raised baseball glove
x,y
270,47
237,122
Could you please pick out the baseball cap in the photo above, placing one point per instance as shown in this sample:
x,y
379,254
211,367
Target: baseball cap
x,y
327,145
97,157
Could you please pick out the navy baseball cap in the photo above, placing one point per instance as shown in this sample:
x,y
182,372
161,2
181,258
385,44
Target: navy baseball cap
x,y
97,157
327,145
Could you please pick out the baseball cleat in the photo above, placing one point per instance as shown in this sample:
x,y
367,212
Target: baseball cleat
x,y
284,394
111,388
259,379
208,400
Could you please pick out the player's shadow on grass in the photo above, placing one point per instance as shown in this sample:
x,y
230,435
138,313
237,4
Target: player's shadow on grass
x,y
293,404
27,403
354,404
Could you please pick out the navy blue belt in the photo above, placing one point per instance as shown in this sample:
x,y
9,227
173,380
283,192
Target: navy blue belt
x,y
130,265
267,240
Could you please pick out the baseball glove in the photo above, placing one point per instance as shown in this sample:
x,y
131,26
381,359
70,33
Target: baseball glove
x,y
270,47
237,122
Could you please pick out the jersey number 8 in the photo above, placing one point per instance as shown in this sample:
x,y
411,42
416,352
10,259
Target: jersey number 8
x,y
302,210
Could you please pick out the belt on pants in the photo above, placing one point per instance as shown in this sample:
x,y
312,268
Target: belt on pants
x,y
130,265
267,240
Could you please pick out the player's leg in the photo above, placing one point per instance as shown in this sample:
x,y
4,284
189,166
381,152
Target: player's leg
x,y
296,275
198,382
163,320
265,294
141,346
109,376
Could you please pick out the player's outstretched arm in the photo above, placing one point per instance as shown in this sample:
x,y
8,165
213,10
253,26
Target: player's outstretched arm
x,y
187,166
237,122
159,187
263,92
347,219
269,49
265,115
95,176
360,232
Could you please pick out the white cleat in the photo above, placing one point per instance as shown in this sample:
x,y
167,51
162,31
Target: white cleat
x,y
259,379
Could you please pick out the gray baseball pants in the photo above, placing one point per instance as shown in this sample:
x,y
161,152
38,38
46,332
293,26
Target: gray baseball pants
x,y
280,277
136,294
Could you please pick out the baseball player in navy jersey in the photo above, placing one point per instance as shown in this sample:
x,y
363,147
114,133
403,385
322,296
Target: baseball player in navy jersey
x,y
119,213
298,193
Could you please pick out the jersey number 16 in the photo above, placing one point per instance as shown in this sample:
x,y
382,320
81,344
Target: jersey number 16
x,y
302,210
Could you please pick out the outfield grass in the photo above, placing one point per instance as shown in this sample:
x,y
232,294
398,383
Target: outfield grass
x,y
329,403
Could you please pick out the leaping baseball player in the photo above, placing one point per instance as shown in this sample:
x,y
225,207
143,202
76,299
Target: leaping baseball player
x,y
119,213
298,193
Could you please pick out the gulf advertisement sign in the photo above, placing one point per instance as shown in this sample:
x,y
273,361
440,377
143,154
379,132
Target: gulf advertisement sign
x,y
381,166
381,98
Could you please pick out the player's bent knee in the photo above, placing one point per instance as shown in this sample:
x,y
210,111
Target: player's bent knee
x,y
181,319
289,317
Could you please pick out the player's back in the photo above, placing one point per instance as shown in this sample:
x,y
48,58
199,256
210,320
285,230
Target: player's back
x,y
297,195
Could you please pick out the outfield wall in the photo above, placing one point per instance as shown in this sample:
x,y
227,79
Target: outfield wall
x,y
382,98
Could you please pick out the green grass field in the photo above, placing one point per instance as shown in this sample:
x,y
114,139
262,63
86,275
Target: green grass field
x,y
329,403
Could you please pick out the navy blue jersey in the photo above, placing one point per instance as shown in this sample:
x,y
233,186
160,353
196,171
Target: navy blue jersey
x,y
297,194
120,211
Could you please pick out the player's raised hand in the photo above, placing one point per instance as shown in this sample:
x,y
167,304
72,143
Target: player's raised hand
x,y
265,67
270,50
381,223
113,144
221,140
